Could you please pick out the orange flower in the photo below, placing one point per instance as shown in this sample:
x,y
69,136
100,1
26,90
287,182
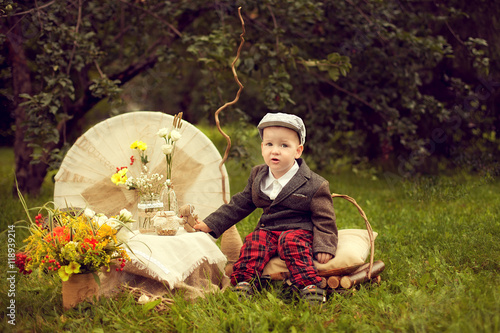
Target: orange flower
x,y
58,233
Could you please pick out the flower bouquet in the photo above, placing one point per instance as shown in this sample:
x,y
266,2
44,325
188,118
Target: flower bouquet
x,y
146,185
75,244
74,241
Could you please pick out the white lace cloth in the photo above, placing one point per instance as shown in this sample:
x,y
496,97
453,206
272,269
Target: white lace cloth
x,y
172,259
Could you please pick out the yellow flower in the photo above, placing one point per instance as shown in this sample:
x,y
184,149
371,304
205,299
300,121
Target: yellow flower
x,y
72,268
63,274
139,145
106,231
120,177
116,179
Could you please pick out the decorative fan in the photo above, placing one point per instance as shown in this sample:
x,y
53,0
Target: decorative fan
x,y
84,179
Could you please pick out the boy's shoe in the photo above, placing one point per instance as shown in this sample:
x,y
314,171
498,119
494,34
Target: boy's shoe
x,y
313,294
244,290
263,282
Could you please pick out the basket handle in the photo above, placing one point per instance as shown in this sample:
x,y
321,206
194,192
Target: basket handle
x,y
368,227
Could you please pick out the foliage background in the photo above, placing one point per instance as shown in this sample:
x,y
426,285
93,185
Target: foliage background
x,y
392,88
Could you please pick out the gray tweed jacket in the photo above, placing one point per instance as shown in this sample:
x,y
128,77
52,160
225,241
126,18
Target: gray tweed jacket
x,y
304,203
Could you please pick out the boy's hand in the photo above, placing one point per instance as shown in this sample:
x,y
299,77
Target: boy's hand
x,y
201,226
323,257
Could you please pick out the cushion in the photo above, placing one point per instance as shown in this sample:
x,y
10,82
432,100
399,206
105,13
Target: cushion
x,y
353,248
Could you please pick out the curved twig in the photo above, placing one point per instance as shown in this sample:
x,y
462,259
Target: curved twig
x,y
228,139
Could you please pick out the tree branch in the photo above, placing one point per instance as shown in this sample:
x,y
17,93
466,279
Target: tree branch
x,y
177,32
454,33
31,10
353,95
128,27
366,18
275,27
78,22
134,69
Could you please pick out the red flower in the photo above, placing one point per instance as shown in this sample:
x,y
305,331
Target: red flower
x,y
92,242
20,262
120,168
132,160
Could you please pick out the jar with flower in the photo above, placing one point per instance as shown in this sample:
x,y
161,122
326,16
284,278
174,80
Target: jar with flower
x,y
171,137
154,192
149,187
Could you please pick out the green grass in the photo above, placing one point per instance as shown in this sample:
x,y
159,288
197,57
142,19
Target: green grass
x,y
439,240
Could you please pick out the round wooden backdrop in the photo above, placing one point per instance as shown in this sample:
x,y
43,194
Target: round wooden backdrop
x,y
84,179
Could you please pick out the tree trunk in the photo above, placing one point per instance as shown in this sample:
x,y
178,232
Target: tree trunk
x,y
29,176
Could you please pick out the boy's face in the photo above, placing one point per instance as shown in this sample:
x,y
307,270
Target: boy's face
x,y
280,147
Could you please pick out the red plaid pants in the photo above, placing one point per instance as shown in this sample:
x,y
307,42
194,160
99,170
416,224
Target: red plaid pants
x,y
292,246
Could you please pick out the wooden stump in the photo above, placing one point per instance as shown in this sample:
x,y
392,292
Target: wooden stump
x,y
333,282
323,283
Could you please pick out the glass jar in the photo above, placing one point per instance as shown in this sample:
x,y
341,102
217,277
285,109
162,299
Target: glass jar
x,y
170,200
147,207
166,223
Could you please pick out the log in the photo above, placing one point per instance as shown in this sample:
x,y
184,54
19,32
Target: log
x,y
280,276
360,268
335,272
333,282
361,276
323,283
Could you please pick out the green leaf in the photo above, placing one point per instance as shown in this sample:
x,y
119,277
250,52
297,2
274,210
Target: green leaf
x,y
333,57
343,71
151,305
27,96
96,278
46,99
333,73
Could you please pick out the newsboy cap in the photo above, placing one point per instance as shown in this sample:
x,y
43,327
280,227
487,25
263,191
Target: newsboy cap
x,y
283,120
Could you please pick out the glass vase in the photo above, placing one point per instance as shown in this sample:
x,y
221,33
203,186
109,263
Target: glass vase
x,y
170,200
147,207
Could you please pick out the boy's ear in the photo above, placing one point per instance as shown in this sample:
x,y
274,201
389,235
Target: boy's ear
x,y
299,151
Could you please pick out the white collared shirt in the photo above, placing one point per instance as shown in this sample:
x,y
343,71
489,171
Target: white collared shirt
x,y
272,186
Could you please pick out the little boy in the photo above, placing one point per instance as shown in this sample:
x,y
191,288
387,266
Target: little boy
x,y
298,220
